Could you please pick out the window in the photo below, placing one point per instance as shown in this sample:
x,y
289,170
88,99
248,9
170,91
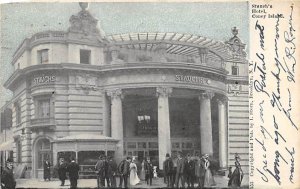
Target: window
x,y
43,108
85,56
235,70
43,56
18,113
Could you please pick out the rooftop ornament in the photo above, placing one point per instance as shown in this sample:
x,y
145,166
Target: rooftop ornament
x,y
235,44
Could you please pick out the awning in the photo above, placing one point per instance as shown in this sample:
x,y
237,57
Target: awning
x,y
7,146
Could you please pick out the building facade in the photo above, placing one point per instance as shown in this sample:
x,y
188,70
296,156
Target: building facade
x,y
80,93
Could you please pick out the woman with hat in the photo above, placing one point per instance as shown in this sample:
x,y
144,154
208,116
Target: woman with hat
x,y
208,177
7,176
236,177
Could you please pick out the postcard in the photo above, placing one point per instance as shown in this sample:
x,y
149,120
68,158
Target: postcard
x,y
160,94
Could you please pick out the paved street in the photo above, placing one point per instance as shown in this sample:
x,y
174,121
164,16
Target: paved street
x,y
91,183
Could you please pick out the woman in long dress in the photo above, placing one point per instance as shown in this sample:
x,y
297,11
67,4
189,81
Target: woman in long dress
x,y
236,177
133,177
208,178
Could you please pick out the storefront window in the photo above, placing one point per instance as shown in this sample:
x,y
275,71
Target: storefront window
x,y
66,155
89,157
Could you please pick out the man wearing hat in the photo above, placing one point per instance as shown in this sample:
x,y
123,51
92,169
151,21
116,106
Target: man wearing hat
x,y
7,176
168,168
100,169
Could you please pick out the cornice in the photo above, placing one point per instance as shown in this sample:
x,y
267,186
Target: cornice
x,y
206,71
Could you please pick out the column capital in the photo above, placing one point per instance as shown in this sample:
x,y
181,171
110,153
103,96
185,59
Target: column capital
x,y
115,93
163,91
222,100
206,95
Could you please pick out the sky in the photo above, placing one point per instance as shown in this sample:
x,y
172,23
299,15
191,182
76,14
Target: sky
x,y
213,20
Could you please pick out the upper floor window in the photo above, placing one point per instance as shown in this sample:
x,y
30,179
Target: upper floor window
x,y
85,56
234,70
18,113
43,56
43,108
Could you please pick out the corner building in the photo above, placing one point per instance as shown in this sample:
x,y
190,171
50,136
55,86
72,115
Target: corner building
x,y
80,93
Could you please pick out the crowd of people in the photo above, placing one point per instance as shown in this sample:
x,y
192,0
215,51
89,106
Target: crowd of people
x,y
190,171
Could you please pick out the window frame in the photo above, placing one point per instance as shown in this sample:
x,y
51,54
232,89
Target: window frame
x,y
37,103
89,56
41,54
237,70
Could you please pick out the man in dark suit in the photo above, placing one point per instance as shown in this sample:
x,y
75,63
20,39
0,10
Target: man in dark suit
x,y
7,176
100,170
124,171
73,169
148,171
189,171
62,169
180,171
112,171
200,171
168,168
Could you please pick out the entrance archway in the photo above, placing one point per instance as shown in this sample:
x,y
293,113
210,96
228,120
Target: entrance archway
x,y
43,151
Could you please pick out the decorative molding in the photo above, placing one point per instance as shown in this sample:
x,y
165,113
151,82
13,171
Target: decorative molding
x,y
115,93
163,91
86,82
235,89
206,95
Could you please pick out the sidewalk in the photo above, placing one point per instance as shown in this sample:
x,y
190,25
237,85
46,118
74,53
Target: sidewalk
x,y
92,183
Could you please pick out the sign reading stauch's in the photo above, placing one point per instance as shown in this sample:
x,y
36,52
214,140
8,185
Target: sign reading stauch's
x,y
144,94
192,79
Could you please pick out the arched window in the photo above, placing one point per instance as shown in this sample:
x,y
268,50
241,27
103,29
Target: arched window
x,y
43,152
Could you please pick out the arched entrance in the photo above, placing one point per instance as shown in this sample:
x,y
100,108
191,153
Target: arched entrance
x,y
43,151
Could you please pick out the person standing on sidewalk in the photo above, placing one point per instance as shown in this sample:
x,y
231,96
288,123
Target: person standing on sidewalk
x,y
73,169
100,169
180,171
168,168
124,170
7,176
149,171
47,174
112,171
62,171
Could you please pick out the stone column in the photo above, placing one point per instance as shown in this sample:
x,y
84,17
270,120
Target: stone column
x,y
205,123
222,119
164,134
117,121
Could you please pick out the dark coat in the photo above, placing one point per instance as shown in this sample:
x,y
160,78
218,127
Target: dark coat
x,y
112,168
199,168
124,168
7,179
189,167
100,167
73,169
46,169
180,166
62,170
168,166
148,169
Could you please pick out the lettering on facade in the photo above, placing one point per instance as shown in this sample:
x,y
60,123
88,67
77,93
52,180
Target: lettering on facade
x,y
192,79
44,79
